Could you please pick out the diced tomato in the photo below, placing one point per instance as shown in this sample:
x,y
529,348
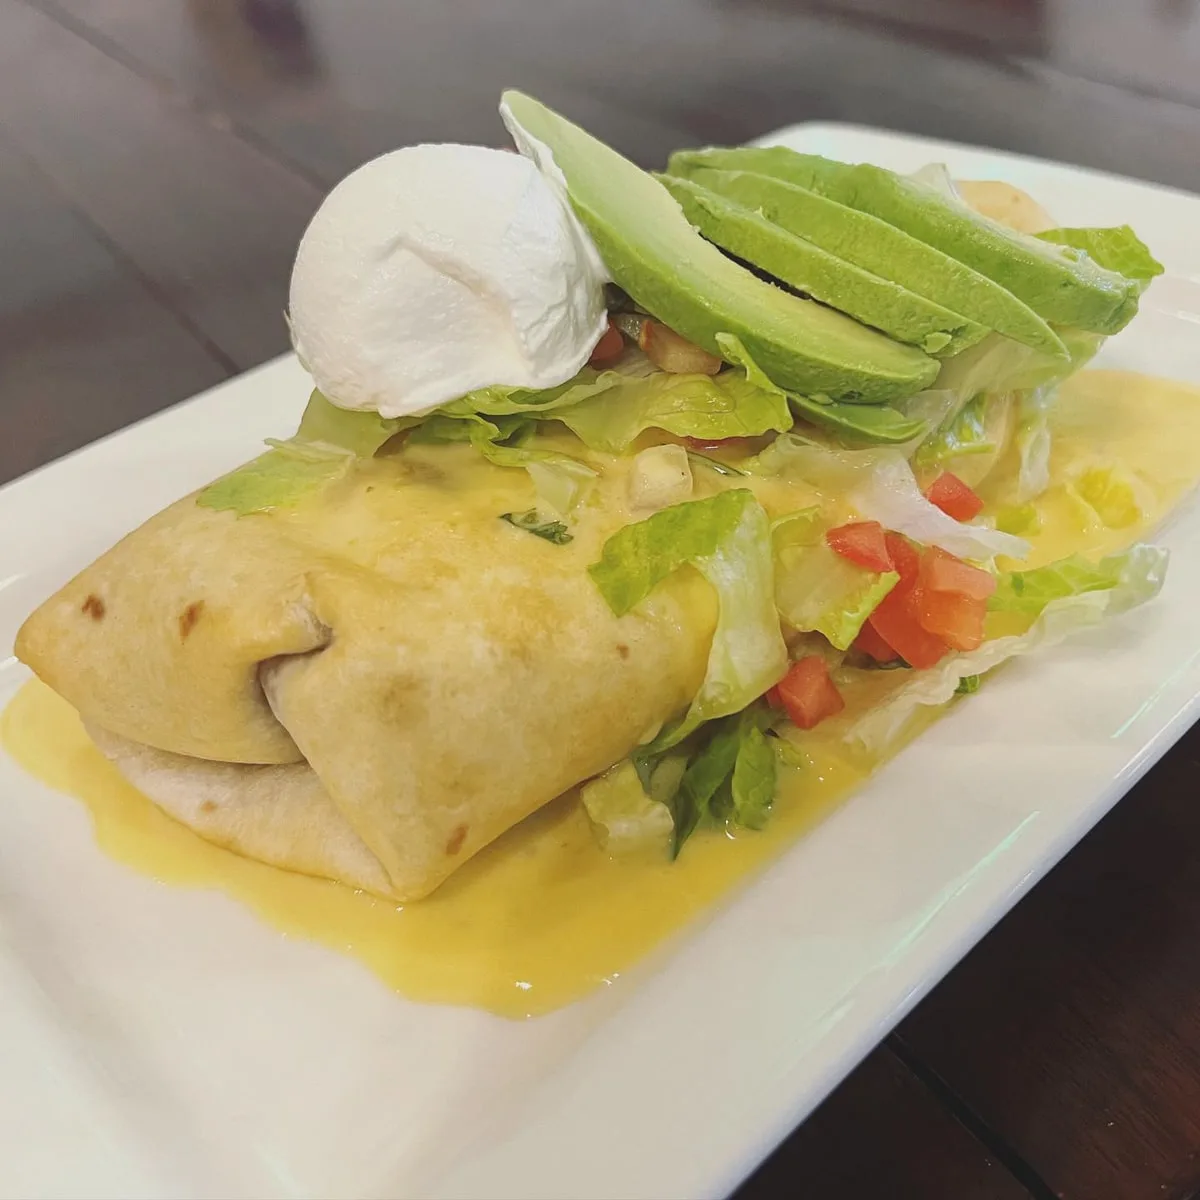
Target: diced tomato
x,y
871,644
609,347
954,498
953,617
808,694
897,618
906,558
952,598
773,698
942,572
863,543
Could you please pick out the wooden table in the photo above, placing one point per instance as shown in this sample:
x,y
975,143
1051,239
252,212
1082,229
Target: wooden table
x,y
158,162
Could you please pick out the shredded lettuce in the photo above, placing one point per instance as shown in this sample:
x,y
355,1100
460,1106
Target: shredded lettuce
x,y
752,788
274,480
507,401
879,484
360,433
1033,441
624,816
727,538
725,770
890,495
996,392
1132,578
817,590
608,409
1117,497
319,453
561,482
1116,249
800,528
707,773
699,406
998,364
1021,520
970,443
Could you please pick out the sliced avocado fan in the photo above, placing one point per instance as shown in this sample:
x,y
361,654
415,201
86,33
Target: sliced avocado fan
x,y
671,271
1061,289
876,246
803,265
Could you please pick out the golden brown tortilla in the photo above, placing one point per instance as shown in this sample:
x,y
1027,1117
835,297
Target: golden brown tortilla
x,y
442,672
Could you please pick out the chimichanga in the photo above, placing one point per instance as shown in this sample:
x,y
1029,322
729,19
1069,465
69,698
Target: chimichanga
x,y
373,685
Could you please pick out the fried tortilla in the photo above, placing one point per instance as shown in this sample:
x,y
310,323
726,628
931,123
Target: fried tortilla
x,y
375,684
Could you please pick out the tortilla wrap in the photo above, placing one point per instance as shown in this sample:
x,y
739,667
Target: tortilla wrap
x,y
374,685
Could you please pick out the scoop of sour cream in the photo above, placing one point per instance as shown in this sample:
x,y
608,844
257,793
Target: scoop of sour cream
x,y
437,269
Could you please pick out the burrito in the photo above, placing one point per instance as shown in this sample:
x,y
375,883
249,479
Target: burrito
x,y
608,479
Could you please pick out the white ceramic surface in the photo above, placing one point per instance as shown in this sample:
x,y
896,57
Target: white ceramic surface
x,y
158,1041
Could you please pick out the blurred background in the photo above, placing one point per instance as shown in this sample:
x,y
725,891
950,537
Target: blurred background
x,y
159,158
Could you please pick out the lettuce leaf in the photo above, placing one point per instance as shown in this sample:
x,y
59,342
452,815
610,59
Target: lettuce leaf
x,y
625,817
710,407
800,528
361,433
607,410
274,480
1117,249
320,452
727,538
1033,441
723,771
817,590
560,481
639,557
1133,580
993,393
879,484
970,443
1114,494
707,773
1134,576
506,401
890,495
752,788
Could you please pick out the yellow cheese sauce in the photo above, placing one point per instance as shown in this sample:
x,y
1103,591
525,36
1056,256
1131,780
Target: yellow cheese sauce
x,y
543,915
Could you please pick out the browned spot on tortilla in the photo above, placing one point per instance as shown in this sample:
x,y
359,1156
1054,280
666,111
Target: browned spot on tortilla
x,y
622,650
94,607
455,844
189,617
208,806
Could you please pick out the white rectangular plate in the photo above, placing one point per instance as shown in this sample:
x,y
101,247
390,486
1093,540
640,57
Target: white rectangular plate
x,y
157,1041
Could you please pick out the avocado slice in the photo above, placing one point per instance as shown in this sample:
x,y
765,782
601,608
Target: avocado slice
x,y
1061,289
803,265
874,423
878,247
670,270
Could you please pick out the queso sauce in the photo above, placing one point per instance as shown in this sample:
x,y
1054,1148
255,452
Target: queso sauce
x,y
543,915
